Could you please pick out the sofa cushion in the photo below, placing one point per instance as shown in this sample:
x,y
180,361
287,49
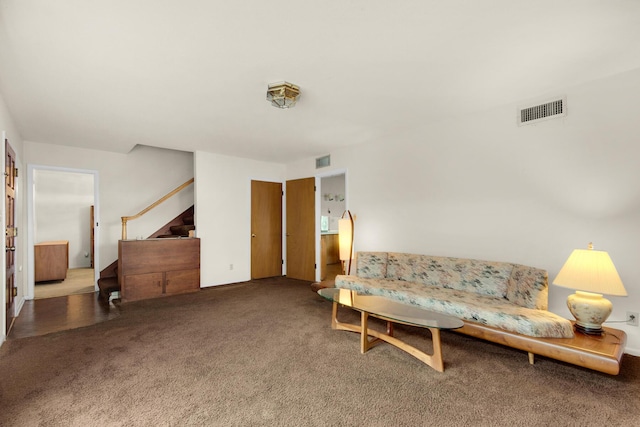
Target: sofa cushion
x,y
482,277
486,310
372,265
528,287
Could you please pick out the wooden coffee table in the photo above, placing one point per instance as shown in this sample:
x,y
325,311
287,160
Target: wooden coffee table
x,y
392,312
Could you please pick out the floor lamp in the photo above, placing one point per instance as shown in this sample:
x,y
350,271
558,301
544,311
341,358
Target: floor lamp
x,y
345,240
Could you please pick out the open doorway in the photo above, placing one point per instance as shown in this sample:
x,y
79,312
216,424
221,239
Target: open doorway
x,y
62,232
333,203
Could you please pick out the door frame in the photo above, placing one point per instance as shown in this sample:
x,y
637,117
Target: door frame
x,y
3,261
319,177
31,169
17,302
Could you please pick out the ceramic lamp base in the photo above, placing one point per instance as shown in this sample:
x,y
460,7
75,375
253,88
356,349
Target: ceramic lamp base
x,y
590,310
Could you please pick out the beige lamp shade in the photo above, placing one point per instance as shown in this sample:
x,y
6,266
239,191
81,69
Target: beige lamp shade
x,y
590,271
345,234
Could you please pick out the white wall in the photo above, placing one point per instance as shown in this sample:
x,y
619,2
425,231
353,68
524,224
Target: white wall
x,y
62,204
128,183
482,187
223,214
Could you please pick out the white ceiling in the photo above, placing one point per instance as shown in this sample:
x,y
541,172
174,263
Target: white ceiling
x,y
192,74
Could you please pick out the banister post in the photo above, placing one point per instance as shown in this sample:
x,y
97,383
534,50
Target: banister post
x,y
124,228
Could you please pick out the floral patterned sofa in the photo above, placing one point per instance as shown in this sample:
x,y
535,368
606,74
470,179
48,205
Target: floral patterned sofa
x,y
505,296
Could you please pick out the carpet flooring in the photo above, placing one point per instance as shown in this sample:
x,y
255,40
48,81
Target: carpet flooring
x,y
262,353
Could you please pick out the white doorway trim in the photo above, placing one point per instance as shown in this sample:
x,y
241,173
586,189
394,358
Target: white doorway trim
x,y
319,177
31,169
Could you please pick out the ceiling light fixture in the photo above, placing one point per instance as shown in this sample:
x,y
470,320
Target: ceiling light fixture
x,y
283,94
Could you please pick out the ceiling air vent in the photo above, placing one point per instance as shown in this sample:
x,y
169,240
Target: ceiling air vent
x,y
545,111
323,162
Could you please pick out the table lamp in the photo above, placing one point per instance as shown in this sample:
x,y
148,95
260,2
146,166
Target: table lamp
x,y
591,273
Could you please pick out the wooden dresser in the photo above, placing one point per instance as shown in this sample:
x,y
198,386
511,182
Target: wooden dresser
x,y
51,260
154,268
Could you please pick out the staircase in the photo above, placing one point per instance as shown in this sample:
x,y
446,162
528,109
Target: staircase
x,y
178,227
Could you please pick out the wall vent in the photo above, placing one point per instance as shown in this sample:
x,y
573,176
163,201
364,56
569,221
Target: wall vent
x,y
544,111
323,162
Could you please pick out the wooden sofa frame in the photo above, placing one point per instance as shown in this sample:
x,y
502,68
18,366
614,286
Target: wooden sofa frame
x,y
601,353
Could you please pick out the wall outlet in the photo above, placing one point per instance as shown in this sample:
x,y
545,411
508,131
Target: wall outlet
x,y
632,318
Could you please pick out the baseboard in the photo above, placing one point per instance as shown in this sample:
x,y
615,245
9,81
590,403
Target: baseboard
x,y
632,351
19,306
3,338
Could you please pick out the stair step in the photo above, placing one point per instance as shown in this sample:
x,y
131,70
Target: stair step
x,y
187,220
108,285
182,230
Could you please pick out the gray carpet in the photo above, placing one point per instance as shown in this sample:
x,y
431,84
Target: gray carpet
x,y
262,353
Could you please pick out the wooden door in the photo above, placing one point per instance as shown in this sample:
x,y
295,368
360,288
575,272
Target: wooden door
x,y
10,232
266,229
301,236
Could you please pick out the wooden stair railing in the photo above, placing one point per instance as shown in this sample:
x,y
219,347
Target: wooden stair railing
x,y
125,219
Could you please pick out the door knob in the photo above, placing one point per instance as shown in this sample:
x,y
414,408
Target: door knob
x,y
253,235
